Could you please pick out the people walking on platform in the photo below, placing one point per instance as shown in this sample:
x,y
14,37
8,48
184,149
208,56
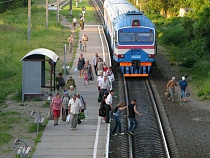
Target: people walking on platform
x,y
104,86
65,100
82,23
171,88
110,75
183,87
84,42
83,103
71,42
99,67
103,106
109,106
80,65
86,79
88,68
74,22
132,110
95,61
70,82
56,107
105,68
74,107
72,91
100,79
60,82
116,117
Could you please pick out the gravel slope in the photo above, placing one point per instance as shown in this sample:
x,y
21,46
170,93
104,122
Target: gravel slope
x,y
189,121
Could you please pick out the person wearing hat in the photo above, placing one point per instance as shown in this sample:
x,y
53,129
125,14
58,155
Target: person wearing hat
x,y
171,88
65,100
71,42
72,91
183,87
70,82
84,42
74,108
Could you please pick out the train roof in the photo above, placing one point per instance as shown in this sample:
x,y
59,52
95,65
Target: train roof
x,y
120,11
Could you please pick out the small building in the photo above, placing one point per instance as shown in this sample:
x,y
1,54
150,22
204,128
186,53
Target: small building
x,y
33,71
183,11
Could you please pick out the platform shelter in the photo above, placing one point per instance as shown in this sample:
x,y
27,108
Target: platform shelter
x,y
33,71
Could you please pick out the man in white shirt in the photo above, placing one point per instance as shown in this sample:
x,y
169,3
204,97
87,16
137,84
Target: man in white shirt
x,y
99,81
109,106
95,61
74,22
83,103
104,86
74,108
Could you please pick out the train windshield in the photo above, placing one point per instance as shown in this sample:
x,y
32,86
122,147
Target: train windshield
x,y
136,37
144,37
126,37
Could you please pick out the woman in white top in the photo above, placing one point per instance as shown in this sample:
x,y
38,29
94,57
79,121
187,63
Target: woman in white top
x,y
99,81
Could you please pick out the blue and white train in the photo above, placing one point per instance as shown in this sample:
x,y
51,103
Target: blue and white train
x,y
132,37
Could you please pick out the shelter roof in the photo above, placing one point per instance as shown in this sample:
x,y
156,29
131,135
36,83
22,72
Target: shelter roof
x,y
42,51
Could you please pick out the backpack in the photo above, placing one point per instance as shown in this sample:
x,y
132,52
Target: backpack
x,y
83,102
61,82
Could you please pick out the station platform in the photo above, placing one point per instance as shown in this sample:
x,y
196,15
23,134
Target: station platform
x,y
90,138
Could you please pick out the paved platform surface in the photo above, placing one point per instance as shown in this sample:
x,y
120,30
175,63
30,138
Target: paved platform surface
x,y
89,140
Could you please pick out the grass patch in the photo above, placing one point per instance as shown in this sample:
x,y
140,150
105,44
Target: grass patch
x,y
7,119
14,46
33,127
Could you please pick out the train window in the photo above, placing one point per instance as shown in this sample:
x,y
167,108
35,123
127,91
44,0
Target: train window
x,y
126,37
144,37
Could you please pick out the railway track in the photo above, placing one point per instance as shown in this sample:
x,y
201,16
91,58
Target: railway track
x,y
149,140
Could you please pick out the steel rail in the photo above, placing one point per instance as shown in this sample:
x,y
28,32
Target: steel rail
x,y
127,102
158,118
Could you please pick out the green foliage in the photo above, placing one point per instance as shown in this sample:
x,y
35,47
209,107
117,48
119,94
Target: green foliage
x,y
90,13
188,43
14,44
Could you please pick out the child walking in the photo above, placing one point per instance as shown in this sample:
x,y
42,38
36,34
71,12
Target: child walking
x,y
85,76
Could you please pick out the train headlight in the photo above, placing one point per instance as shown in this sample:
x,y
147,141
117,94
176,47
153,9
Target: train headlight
x,y
120,55
151,55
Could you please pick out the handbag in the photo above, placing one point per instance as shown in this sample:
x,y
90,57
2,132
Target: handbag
x,y
50,115
167,94
68,118
188,94
99,98
102,112
63,117
81,116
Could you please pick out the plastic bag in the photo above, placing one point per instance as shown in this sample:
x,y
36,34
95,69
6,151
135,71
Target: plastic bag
x,y
86,113
68,118
50,115
76,69
81,116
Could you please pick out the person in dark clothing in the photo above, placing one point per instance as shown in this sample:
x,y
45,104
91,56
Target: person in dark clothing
x,y
109,106
103,105
116,117
183,86
131,116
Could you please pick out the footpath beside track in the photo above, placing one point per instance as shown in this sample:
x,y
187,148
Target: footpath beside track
x,y
89,140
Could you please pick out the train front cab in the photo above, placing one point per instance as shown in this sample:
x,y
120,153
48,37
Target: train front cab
x,y
135,69
135,63
134,51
